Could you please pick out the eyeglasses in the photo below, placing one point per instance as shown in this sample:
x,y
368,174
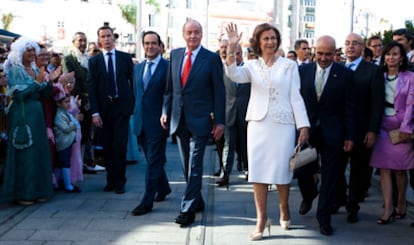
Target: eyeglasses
x,y
353,43
96,51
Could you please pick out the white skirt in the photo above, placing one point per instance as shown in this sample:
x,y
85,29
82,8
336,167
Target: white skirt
x,y
270,146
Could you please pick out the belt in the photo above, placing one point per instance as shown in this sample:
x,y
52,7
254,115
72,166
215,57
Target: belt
x,y
112,99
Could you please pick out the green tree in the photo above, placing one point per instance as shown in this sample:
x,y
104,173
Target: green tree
x,y
129,11
7,19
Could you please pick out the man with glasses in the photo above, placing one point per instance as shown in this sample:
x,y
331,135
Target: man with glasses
x,y
375,44
369,92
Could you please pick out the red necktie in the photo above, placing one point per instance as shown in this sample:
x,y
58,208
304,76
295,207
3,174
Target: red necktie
x,y
187,68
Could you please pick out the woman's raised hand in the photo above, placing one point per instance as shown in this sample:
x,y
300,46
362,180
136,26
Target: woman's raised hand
x,y
232,34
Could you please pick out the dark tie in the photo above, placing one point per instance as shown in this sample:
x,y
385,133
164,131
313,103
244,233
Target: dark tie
x,y
147,75
111,76
187,68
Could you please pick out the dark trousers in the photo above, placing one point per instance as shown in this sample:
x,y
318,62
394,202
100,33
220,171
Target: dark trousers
x,y
114,142
192,150
156,180
359,176
241,145
330,157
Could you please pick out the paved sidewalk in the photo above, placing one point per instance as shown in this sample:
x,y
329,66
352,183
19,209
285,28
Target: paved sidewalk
x,y
97,217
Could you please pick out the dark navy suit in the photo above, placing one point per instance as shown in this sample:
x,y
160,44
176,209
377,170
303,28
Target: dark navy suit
x,y
332,122
370,96
189,111
115,113
151,136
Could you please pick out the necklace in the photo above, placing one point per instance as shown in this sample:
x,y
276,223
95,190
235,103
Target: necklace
x,y
391,78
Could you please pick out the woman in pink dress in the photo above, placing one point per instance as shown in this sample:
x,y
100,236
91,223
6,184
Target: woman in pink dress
x,y
397,158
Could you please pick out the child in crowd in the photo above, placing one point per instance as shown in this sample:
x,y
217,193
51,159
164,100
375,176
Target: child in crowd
x,y
76,172
65,136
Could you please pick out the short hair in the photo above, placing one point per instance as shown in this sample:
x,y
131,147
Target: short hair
x,y
255,40
76,34
372,38
193,21
154,33
299,42
387,48
406,33
293,52
105,28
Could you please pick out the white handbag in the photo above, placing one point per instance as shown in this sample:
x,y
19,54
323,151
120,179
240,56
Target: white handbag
x,y
301,156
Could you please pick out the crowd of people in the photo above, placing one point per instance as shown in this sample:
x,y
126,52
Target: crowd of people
x,y
355,106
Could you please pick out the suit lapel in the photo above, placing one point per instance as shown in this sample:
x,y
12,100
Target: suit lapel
x,y
399,85
140,74
330,81
176,66
198,64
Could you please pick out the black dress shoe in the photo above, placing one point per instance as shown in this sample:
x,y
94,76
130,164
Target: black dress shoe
x,y
109,188
161,196
352,213
326,229
185,219
223,181
120,189
305,207
239,166
141,210
352,217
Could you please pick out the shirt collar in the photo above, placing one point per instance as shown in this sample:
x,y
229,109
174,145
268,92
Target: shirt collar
x,y
356,62
156,60
194,52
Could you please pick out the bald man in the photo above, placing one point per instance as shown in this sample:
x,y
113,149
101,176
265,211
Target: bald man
x,y
326,87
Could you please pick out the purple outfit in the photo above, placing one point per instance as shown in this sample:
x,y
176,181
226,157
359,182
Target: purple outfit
x,y
385,155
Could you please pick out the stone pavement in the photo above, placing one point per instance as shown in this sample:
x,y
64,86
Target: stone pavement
x,y
97,217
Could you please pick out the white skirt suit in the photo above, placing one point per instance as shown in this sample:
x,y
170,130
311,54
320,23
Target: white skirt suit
x,y
276,109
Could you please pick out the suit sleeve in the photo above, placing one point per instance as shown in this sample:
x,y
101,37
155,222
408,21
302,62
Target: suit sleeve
x,y
219,91
407,125
377,101
167,100
93,86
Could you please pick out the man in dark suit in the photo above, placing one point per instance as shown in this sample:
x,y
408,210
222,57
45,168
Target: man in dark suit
x,y
370,96
326,87
150,78
194,90
112,103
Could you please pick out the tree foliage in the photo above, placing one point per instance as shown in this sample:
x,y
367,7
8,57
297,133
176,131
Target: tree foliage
x,y
7,19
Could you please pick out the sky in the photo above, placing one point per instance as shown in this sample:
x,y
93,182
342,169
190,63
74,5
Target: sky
x,y
333,16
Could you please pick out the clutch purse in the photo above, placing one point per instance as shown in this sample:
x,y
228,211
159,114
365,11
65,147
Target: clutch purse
x,y
301,157
395,136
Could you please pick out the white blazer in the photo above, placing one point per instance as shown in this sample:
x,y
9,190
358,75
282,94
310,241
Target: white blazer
x,y
275,91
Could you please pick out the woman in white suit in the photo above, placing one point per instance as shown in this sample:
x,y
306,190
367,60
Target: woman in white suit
x,y
276,109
